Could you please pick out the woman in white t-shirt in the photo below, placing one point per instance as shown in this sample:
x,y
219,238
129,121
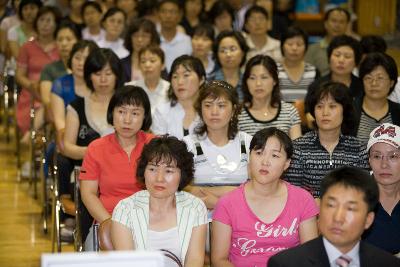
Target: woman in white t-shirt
x,y
178,116
221,151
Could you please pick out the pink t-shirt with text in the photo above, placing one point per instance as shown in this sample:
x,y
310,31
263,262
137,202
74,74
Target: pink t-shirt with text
x,y
253,242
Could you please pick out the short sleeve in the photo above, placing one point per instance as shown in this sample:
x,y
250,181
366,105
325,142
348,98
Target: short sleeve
x,y
12,34
159,125
45,75
90,169
222,212
295,172
201,212
310,207
294,116
363,158
121,213
23,56
57,87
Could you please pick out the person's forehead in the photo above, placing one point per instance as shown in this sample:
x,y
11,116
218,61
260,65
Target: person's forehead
x,y
337,14
344,194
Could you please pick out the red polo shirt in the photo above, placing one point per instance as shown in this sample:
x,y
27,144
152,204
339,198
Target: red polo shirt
x,y
106,162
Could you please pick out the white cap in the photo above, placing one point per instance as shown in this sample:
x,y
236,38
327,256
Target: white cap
x,y
386,133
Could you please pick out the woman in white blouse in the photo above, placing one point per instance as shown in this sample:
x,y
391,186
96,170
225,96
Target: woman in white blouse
x,y
178,116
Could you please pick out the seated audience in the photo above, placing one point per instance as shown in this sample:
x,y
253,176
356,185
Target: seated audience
x,y
174,43
379,74
202,43
220,149
295,75
266,214
336,21
384,159
262,100
141,33
92,14
256,25
163,217
113,22
349,196
151,64
230,50
330,145
108,172
178,117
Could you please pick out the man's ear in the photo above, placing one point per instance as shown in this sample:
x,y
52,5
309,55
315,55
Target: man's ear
x,y
369,220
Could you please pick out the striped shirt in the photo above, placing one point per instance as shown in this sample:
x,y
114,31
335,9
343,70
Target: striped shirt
x,y
285,119
311,161
367,124
291,90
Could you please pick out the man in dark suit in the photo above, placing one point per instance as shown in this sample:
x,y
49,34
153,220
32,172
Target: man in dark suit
x,y
348,198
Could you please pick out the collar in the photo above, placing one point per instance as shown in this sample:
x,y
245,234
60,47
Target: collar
x,y
333,253
315,137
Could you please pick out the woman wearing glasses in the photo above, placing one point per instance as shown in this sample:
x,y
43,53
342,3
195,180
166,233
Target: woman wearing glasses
x,y
379,75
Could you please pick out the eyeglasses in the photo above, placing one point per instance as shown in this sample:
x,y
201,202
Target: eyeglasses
x,y
392,157
378,80
225,50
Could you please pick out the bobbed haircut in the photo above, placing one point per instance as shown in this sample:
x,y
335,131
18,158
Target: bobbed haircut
x,y
239,39
374,60
219,8
78,46
93,4
70,26
356,178
154,49
178,3
261,137
340,93
204,29
23,3
270,65
214,90
45,10
339,9
145,25
344,40
190,63
111,12
252,10
97,60
294,31
169,150
130,95
373,43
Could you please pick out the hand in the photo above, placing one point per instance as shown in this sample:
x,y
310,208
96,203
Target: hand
x,y
35,90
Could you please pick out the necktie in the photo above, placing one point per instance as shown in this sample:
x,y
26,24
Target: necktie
x,y
343,261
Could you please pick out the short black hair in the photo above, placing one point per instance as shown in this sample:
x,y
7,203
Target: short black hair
x,y
93,4
373,43
270,65
218,8
254,9
48,9
178,3
294,31
340,9
145,25
97,60
111,12
353,177
204,29
66,24
235,35
261,137
130,95
190,63
340,93
23,3
374,60
345,40
216,89
80,45
167,149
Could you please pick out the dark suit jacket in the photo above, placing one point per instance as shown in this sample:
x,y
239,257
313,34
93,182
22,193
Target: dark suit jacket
x,y
313,254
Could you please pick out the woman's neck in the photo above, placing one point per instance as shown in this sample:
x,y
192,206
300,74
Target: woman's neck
x,y
259,40
187,104
127,144
374,104
103,97
293,64
329,137
45,39
27,28
162,205
269,190
111,38
391,191
218,137
261,103
94,30
193,19
344,78
152,82
231,73
168,33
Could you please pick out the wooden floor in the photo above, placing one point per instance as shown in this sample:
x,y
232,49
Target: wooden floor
x,y
22,240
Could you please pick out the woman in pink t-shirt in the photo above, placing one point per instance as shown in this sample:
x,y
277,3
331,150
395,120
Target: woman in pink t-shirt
x,y
266,214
